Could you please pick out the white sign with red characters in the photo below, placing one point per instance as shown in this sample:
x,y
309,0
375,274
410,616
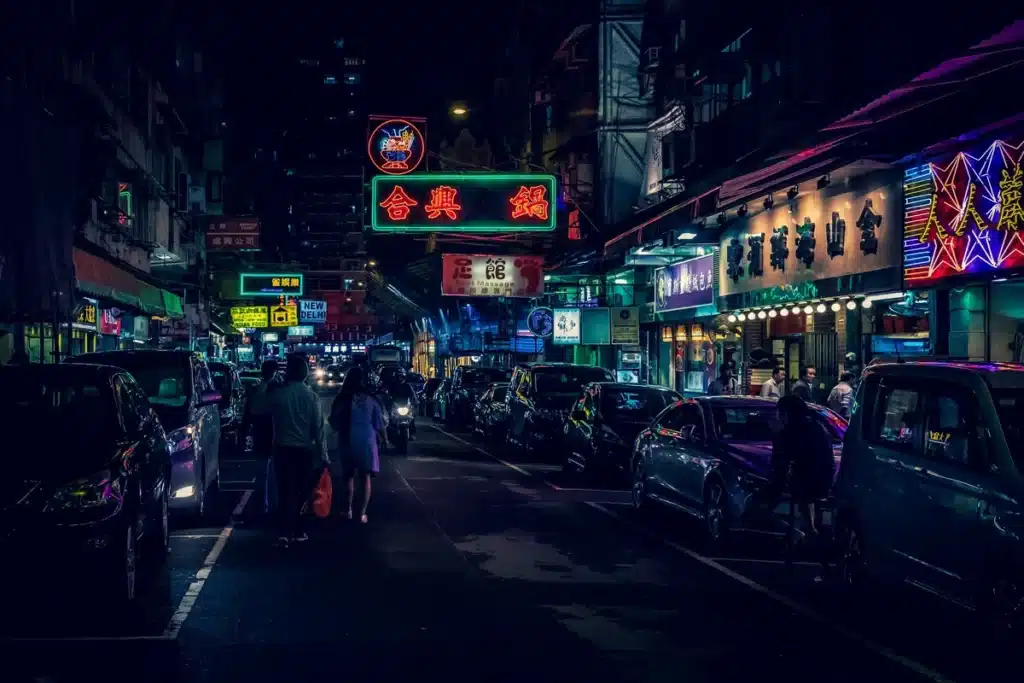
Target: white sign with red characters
x,y
492,275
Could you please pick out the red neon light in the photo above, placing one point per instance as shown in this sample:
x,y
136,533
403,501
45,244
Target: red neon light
x,y
398,204
574,225
442,200
396,147
529,202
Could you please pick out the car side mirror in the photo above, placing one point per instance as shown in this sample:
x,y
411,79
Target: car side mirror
x,y
210,398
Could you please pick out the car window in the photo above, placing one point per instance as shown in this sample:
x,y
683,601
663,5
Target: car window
x,y
567,380
740,423
672,419
484,375
896,420
635,404
499,393
948,428
164,377
1010,408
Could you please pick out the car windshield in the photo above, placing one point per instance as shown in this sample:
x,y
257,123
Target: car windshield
x,y
221,377
66,405
1010,408
499,393
757,423
567,380
636,404
163,376
485,375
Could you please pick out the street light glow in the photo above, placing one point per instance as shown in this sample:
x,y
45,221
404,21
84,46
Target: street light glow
x,y
459,111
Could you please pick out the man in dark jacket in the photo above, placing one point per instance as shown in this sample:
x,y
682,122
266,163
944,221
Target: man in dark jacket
x,y
259,422
802,459
804,387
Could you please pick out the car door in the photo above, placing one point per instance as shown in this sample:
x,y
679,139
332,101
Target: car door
x,y
890,495
518,402
950,536
684,464
664,433
579,426
138,442
209,421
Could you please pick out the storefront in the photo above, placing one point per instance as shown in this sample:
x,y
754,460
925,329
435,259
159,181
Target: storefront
x,y
685,307
964,250
800,279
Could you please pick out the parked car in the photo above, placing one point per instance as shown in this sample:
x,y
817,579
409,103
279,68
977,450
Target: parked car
x,y
180,389
490,412
468,384
708,456
539,398
426,397
440,400
233,397
931,488
87,507
603,424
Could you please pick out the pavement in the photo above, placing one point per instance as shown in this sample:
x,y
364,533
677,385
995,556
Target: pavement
x,y
478,566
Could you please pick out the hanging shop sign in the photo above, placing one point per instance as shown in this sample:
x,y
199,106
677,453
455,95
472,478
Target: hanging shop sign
x,y
496,202
595,326
541,322
86,317
250,317
685,285
270,284
395,146
823,237
301,331
269,337
964,216
110,322
140,327
286,315
312,311
492,275
233,234
567,326
626,325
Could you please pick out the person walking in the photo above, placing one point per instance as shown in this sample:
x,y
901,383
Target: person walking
x,y
299,445
772,388
356,416
259,423
725,384
804,387
840,399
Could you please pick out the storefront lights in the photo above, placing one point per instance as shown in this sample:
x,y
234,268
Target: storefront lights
x,y
773,313
851,304
808,309
820,308
784,311
835,307
761,315
732,318
866,303
796,310
741,317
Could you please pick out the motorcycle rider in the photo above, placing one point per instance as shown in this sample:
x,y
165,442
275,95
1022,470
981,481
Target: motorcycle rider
x,y
396,385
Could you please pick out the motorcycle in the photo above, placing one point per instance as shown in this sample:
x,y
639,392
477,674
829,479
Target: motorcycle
x,y
399,417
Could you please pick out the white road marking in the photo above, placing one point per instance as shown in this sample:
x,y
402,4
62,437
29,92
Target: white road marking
x,y
188,601
757,560
789,603
193,537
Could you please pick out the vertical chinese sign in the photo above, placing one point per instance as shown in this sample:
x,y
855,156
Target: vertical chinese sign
x,y
497,203
492,275
233,234
964,216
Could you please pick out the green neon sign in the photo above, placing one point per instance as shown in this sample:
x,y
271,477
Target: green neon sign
x,y
271,284
443,202
785,294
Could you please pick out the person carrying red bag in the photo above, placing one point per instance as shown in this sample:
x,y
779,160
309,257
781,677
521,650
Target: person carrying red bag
x,y
300,450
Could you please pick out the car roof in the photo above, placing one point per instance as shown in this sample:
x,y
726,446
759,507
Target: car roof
x,y
745,402
91,371
997,375
540,365
630,385
160,353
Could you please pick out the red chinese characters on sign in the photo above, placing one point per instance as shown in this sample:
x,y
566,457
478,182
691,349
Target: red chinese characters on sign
x,y
530,202
109,323
442,200
492,275
398,204
233,233
574,225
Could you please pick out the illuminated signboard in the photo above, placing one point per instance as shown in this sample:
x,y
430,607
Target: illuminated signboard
x,y
964,216
492,275
250,317
270,284
567,326
440,202
301,331
233,234
286,315
396,146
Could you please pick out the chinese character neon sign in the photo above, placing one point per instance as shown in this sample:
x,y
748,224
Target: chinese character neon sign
x,y
396,147
479,203
965,216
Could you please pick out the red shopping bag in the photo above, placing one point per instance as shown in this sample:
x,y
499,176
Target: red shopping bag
x,y
322,495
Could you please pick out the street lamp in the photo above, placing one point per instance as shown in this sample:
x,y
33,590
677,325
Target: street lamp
x,y
459,111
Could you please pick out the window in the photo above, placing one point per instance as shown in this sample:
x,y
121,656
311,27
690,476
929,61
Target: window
x,y
896,422
672,420
946,429
330,80
1010,408
214,186
351,79
636,404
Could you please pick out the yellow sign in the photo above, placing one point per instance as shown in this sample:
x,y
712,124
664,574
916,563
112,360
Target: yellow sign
x,y
87,315
284,316
249,316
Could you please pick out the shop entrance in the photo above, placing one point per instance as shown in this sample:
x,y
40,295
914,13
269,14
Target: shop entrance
x,y
820,349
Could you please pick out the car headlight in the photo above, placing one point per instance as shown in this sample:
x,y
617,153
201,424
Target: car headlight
x,y
319,373
181,439
98,492
402,410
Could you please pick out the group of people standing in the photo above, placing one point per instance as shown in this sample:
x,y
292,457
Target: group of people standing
x,y
840,398
287,425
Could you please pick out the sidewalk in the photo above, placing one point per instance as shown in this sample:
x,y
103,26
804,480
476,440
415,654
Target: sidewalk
x,y
388,599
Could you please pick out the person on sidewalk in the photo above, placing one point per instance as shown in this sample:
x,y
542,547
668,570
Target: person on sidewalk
x,y
260,424
299,446
356,416
840,399
804,387
726,383
772,388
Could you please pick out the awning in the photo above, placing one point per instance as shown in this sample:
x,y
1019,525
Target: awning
x,y
102,279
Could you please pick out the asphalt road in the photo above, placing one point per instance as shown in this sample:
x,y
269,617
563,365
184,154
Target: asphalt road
x,y
478,568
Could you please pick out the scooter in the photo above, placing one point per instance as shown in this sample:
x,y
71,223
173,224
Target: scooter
x,y
400,425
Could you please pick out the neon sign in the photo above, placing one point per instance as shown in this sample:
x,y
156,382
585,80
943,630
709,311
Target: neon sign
x,y
964,217
396,147
497,203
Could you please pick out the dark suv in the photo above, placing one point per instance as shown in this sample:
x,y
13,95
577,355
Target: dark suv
x,y
469,384
540,396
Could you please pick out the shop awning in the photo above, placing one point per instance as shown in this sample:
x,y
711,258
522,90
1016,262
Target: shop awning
x,y
102,279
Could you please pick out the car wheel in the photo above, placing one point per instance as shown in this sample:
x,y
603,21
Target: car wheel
x,y
851,564
639,488
127,571
716,510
